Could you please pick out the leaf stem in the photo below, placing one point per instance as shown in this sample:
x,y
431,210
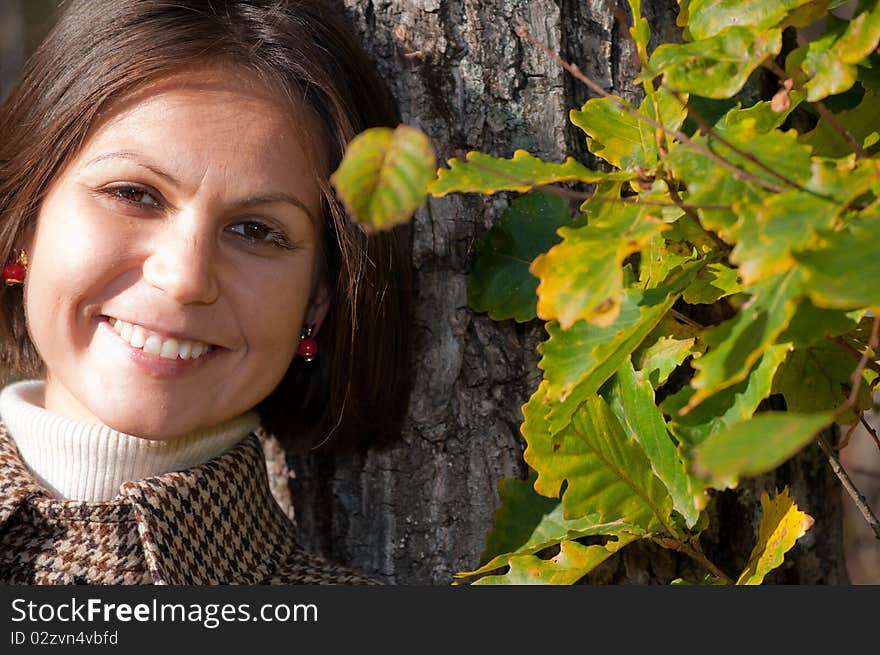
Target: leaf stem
x,y
681,136
695,554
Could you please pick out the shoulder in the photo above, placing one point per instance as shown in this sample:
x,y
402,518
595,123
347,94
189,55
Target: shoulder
x,y
302,567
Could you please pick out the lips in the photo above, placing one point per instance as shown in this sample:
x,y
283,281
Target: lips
x,y
152,343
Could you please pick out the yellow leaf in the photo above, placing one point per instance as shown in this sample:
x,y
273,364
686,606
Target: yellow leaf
x,y
782,524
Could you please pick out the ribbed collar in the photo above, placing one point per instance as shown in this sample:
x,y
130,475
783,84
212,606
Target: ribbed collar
x,y
89,461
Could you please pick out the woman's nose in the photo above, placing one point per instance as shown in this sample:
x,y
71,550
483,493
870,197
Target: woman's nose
x,y
181,262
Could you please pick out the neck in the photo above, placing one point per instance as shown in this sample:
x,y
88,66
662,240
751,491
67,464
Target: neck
x,y
77,460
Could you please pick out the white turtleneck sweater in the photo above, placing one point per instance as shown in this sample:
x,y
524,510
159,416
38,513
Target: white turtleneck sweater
x,y
90,461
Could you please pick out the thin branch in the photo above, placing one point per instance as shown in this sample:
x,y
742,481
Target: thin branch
x,y
849,433
849,404
826,113
874,366
705,128
673,193
851,489
856,377
870,430
681,136
687,320
696,555
583,195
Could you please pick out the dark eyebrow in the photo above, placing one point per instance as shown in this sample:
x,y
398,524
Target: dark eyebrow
x,y
137,159
276,197
251,201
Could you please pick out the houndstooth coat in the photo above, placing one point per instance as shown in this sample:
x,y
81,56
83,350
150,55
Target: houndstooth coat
x,y
216,523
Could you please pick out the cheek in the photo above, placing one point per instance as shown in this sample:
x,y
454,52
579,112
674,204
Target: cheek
x,y
273,316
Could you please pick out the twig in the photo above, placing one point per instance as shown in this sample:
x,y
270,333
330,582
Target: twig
x,y
856,377
826,113
687,320
870,430
678,546
681,136
705,128
850,403
583,195
874,366
849,433
673,193
851,489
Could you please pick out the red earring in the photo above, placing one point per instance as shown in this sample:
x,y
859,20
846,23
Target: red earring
x,y
14,272
308,347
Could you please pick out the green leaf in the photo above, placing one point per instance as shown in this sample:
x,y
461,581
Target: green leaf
x,y
727,407
619,137
811,324
481,173
819,379
782,524
577,361
631,397
709,17
384,175
842,273
829,63
716,67
843,180
581,278
861,122
756,446
527,523
710,183
604,470
734,346
500,282
663,356
762,115
640,31
659,258
771,231
712,283
572,563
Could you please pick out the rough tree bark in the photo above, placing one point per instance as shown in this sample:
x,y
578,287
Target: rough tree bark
x,y
418,512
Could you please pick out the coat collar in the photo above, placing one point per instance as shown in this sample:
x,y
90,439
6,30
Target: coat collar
x,y
209,524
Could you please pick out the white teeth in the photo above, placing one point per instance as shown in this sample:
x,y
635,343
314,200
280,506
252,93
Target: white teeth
x,y
170,349
154,344
138,336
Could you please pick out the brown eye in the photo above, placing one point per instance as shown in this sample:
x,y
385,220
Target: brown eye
x,y
257,232
134,195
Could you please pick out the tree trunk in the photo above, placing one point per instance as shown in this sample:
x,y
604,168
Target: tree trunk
x,y
419,511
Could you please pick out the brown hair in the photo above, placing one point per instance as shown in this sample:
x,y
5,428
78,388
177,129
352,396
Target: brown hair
x,y
356,391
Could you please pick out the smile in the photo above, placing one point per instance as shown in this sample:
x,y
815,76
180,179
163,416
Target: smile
x,y
155,344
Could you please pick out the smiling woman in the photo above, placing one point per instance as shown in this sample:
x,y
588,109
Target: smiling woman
x,y
191,286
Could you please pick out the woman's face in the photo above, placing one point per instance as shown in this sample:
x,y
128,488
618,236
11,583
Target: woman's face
x,y
173,260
